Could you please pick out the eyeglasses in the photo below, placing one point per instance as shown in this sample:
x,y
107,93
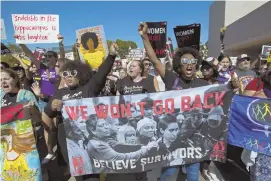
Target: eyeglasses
x,y
68,73
186,61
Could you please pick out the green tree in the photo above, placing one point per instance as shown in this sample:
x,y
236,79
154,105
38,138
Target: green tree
x,y
123,46
9,58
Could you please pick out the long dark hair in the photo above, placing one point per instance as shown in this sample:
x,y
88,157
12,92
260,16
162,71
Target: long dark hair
x,y
222,56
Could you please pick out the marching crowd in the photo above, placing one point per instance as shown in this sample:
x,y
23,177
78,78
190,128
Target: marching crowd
x,y
76,80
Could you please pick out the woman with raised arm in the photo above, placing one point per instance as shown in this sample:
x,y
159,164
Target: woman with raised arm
x,y
185,63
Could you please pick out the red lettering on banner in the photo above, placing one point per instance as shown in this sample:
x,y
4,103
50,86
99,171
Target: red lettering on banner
x,y
219,98
116,113
171,108
219,150
8,114
158,104
206,97
141,105
101,111
83,112
125,110
72,111
186,103
197,102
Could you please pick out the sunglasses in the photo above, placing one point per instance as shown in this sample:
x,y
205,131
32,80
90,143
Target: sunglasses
x,y
67,73
186,61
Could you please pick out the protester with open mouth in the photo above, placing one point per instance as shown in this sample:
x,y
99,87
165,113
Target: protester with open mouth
x,y
185,63
80,84
134,82
12,93
225,69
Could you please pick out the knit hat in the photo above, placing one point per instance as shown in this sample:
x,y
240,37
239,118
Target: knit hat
x,y
143,122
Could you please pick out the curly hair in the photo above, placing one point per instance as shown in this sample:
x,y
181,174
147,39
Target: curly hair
x,y
84,72
180,52
89,35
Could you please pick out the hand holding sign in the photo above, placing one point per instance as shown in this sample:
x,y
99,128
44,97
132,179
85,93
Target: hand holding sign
x,y
60,38
57,104
143,30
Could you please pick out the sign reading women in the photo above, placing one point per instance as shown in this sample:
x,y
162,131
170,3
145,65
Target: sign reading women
x,y
136,133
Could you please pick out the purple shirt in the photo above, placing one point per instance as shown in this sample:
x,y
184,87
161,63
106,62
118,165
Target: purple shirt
x,y
47,86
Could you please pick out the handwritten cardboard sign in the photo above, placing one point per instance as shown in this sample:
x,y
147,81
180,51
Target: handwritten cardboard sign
x,y
31,28
3,30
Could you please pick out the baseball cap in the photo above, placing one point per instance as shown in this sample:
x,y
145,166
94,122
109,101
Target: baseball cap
x,y
211,61
242,57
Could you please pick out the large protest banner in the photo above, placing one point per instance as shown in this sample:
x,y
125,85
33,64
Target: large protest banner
x,y
93,47
3,30
19,158
4,49
250,124
33,28
135,133
157,33
188,36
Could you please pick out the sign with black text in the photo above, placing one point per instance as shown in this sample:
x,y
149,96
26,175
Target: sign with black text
x,y
135,54
135,133
157,33
188,36
4,49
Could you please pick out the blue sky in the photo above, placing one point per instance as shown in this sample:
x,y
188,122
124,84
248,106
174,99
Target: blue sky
x,y
120,19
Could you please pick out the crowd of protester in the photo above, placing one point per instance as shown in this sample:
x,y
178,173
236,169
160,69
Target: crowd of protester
x,y
76,80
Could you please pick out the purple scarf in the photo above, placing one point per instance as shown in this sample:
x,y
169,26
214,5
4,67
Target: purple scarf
x,y
267,92
224,77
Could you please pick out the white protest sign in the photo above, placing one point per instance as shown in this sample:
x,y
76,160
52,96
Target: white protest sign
x,y
3,30
31,28
69,55
233,60
136,54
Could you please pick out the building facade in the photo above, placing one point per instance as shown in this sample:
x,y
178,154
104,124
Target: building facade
x,y
248,27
